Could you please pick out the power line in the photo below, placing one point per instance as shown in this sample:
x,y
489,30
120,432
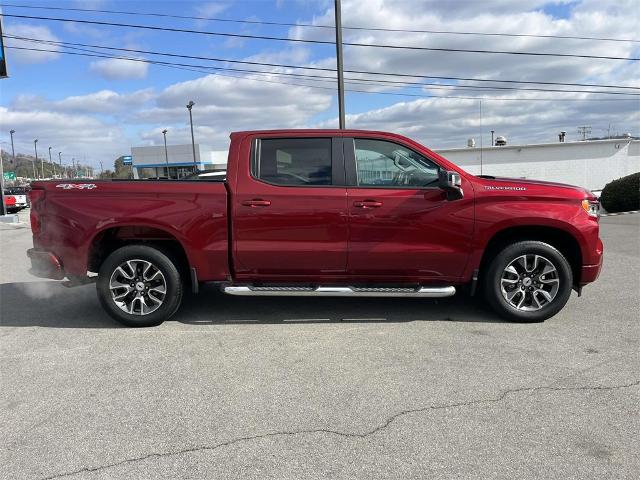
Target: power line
x,y
197,68
301,67
320,42
378,82
318,26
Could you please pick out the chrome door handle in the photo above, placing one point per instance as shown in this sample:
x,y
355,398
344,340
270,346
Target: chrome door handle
x,y
368,204
258,202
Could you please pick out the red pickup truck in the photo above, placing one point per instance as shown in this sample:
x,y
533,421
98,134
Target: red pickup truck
x,y
319,213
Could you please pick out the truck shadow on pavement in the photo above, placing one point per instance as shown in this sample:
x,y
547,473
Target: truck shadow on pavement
x,y
49,304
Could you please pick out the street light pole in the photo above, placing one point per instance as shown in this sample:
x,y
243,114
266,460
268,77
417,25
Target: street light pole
x,y
60,160
53,165
13,151
73,167
35,147
338,21
166,155
193,142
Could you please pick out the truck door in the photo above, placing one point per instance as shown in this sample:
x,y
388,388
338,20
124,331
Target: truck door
x,y
290,216
402,227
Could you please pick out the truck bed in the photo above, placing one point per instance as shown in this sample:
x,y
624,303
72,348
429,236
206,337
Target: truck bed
x,y
78,213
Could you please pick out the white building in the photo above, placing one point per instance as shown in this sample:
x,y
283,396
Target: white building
x,y
178,162
590,164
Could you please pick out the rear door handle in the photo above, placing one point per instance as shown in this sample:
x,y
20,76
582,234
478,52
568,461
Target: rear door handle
x,y
368,204
258,202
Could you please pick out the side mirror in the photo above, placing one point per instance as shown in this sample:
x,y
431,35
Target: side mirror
x,y
451,183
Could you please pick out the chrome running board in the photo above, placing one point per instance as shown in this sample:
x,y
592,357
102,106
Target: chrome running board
x,y
422,292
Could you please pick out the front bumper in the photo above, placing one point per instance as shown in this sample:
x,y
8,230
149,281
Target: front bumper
x,y
45,264
590,273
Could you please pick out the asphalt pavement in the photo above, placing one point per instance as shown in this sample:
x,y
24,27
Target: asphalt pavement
x,y
291,388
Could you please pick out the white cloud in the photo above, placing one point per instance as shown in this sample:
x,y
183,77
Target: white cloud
x,y
102,102
29,56
224,104
210,9
118,69
79,136
449,122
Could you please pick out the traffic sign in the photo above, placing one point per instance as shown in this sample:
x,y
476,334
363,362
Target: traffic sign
x,y
10,176
127,160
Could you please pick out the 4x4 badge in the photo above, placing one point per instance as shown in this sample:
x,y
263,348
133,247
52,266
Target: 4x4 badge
x,y
79,186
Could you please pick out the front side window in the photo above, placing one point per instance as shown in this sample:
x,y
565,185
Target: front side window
x,y
294,161
386,164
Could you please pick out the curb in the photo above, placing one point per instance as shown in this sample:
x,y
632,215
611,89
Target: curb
x,y
619,213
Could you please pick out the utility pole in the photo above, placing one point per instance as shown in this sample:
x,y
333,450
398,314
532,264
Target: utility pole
x,y
584,131
73,167
193,142
35,147
480,137
166,155
338,22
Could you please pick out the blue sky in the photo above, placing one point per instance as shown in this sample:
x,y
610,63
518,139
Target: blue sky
x,y
100,108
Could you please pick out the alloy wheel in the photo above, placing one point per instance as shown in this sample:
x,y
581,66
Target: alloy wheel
x,y
138,287
530,282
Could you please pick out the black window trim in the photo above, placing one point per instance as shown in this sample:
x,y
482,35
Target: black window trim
x,y
338,173
351,166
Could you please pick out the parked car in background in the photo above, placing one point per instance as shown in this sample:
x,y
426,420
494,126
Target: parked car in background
x,y
346,213
10,203
21,196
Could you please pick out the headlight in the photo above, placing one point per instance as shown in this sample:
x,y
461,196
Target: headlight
x,y
592,208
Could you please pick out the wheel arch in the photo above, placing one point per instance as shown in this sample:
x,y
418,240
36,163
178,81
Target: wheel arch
x,y
112,237
566,243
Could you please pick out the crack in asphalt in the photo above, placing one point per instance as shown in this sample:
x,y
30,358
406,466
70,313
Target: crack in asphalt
x,y
373,431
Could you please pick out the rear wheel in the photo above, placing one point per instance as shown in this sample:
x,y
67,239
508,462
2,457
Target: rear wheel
x,y
528,282
139,286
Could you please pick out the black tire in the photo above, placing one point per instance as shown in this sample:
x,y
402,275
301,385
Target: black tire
x,y
493,283
170,279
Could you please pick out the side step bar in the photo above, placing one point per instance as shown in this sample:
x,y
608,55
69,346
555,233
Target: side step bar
x,y
423,292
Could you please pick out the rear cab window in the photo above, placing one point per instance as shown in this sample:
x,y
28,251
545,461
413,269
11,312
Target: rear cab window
x,y
293,161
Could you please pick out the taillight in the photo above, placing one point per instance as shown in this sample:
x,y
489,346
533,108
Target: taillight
x,y
35,196
9,200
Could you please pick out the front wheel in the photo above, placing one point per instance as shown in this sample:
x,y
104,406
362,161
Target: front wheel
x,y
528,281
139,286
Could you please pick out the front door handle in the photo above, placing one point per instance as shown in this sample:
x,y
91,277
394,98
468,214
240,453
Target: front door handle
x,y
368,204
258,202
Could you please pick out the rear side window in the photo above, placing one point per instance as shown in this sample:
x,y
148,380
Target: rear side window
x,y
293,161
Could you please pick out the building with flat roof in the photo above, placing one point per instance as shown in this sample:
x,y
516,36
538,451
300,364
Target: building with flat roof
x,y
590,164
177,162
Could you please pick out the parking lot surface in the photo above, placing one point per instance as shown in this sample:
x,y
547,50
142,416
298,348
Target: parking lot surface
x,y
320,388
